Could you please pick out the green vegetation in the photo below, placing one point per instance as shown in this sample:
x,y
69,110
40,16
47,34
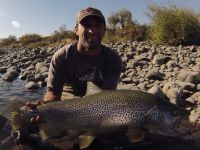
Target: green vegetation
x,y
132,32
11,40
121,28
169,25
62,34
173,26
30,39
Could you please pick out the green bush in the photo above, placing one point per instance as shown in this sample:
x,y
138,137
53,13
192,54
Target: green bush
x,y
173,26
132,32
110,36
9,41
37,44
29,39
61,34
135,32
58,37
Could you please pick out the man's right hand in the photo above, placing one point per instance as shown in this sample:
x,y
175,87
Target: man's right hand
x,y
32,106
49,97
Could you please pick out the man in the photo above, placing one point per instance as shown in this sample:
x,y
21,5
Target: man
x,y
87,60
75,64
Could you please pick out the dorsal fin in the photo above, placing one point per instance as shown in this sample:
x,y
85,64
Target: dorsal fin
x,y
92,88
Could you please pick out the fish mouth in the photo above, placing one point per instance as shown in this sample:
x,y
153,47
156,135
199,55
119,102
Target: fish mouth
x,y
175,129
171,129
181,126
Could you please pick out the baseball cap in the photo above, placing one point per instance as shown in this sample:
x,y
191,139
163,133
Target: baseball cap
x,y
89,11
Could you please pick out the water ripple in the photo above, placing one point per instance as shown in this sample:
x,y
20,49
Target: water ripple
x,y
16,88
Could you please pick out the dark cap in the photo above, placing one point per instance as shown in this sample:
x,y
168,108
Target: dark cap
x,y
90,11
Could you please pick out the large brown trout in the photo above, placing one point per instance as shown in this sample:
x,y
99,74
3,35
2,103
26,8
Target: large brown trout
x,y
107,111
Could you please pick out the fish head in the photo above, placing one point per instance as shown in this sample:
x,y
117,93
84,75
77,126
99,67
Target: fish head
x,y
165,117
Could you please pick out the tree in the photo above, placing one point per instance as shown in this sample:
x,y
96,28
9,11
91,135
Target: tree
x,y
125,17
173,26
113,20
11,39
122,17
62,33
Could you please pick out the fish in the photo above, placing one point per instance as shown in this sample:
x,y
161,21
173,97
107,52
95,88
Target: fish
x,y
106,111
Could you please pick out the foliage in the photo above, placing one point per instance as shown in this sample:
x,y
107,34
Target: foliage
x,y
113,20
132,32
121,28
170,25
29,39
37,44
173,26
125,17
61,34
122,18
9,41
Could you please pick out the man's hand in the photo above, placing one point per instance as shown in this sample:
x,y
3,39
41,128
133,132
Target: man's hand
x,y
32,106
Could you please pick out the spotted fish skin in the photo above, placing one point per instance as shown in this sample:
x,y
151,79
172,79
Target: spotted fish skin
x,y
110,110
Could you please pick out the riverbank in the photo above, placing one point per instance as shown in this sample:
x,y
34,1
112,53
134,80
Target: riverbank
x,y
144,64
16,88
170,72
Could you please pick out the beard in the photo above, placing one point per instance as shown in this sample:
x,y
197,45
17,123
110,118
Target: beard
x,y
89,43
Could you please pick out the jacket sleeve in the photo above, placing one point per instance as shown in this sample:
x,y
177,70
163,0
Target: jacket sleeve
x,y
55,80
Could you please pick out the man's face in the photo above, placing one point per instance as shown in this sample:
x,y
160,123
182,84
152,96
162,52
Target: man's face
x,y
90,31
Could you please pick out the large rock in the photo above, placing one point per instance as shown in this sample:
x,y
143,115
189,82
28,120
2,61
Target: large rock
x,y
3,69
188,76
11,74
32,85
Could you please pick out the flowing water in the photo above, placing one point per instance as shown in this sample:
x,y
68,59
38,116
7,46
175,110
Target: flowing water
x,y
16,88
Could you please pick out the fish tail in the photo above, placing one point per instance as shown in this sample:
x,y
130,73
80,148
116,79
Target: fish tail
x,y
15,108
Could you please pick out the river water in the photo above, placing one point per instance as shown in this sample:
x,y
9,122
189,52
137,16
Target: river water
x,y
16,88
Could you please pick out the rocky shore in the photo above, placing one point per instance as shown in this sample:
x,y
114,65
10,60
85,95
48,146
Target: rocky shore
x,y
170,72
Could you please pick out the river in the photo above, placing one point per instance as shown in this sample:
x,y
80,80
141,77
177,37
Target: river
x,y
16,88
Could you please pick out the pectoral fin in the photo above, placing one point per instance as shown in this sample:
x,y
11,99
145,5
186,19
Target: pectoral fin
x,y
135,135
84,141
47,131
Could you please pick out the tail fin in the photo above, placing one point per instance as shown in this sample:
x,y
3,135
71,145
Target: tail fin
x,y
16,106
